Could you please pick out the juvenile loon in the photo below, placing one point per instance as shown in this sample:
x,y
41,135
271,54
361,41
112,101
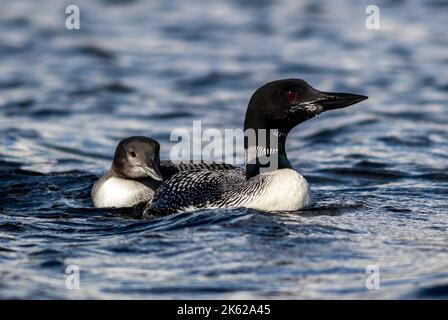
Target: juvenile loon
x,y
270,183
137,172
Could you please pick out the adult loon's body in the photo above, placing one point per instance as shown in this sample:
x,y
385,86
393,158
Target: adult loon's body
x,y
279,190
270,183
137,172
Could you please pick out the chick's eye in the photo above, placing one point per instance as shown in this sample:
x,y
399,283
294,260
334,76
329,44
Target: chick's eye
x,y
291,95
133,154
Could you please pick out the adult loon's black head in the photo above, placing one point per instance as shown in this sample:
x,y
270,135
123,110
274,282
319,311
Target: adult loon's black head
x,y
283,104
137,157
279,106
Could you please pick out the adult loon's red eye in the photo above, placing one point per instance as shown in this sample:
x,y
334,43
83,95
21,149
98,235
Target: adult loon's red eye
x,y
291,95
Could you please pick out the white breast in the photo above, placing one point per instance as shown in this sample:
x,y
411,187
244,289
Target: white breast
x,y
286,190
117,192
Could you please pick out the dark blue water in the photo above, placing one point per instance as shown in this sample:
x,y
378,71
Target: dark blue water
x,y
379,169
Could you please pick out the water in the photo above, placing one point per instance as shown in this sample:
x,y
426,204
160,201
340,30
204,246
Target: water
x,y
379,169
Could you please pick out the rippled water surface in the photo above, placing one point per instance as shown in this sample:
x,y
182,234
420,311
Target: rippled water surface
x,y
379,169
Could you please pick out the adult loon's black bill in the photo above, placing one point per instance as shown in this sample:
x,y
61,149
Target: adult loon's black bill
x,y
336,100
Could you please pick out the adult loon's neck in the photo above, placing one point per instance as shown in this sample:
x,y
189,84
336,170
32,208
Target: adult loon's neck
x,y
264,151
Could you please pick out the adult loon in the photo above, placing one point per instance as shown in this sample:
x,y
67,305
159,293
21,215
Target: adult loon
x,y
137,172
270,183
